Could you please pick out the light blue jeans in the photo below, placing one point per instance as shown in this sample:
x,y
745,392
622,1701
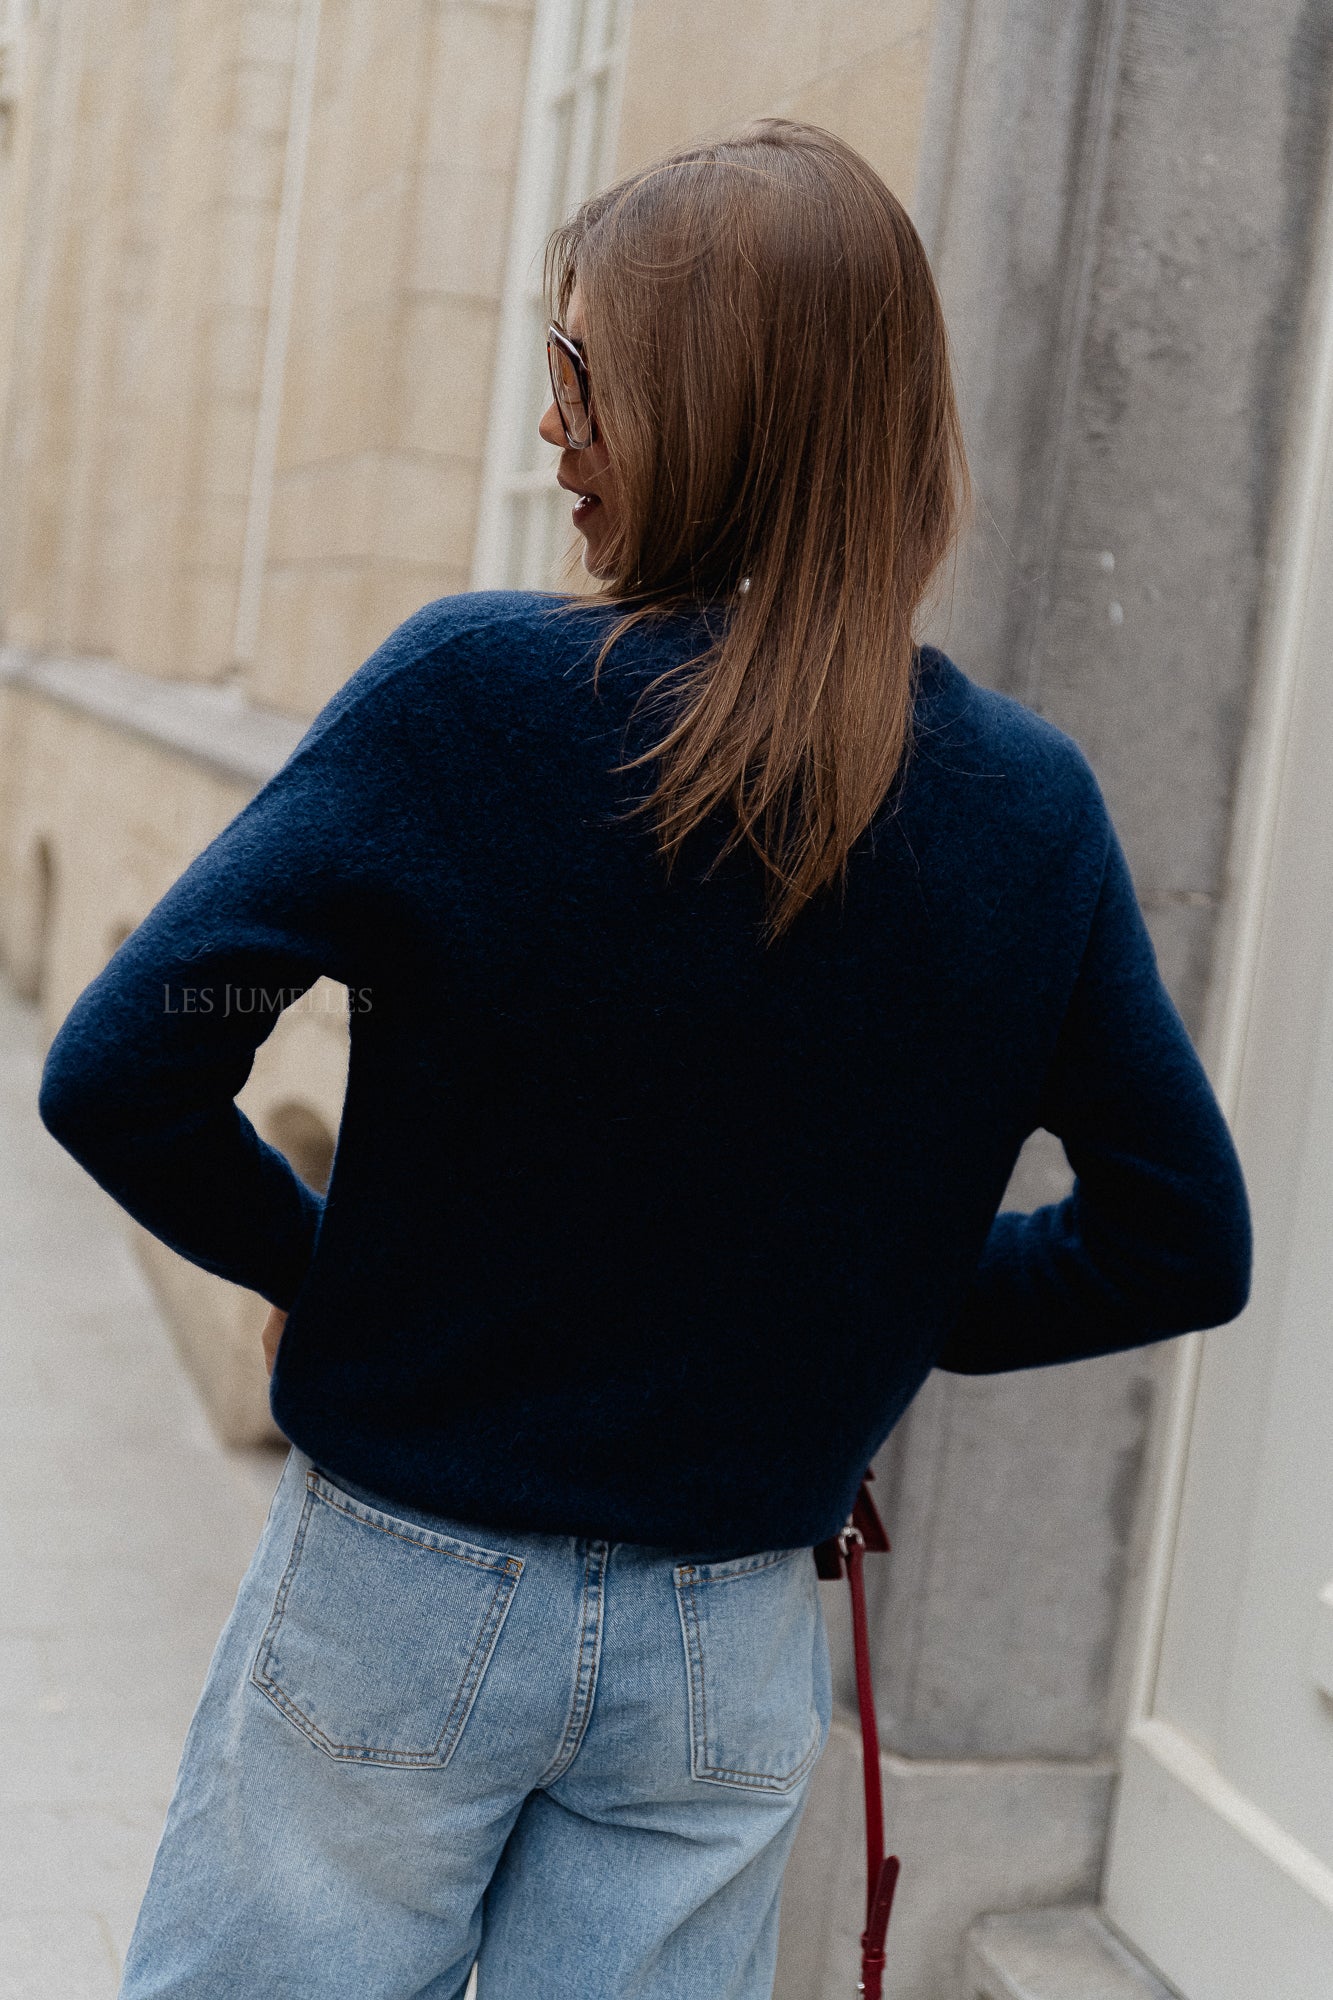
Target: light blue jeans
x,y
580,1764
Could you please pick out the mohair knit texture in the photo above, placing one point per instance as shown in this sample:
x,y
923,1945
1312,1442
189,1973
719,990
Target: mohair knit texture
x,y
638,1228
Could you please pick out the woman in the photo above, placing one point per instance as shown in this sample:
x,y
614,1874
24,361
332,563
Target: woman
x,y
713,949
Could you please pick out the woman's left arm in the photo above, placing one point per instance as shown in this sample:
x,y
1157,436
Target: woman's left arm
x,y
140,1080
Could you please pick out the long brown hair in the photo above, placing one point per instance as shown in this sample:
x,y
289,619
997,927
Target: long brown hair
x,y
770,372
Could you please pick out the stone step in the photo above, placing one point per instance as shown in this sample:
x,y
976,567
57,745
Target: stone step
x,y
1070,1953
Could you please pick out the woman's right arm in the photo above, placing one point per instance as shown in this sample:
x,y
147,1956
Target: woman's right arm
x,y
1154,1239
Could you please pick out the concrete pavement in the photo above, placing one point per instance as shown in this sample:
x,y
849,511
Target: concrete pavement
x,y
124,1531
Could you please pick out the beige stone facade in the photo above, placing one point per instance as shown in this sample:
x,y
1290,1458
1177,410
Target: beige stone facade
x,y
857,67
251,282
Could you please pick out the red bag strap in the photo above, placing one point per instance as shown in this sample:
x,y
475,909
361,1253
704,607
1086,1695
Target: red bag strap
x,y
865,1531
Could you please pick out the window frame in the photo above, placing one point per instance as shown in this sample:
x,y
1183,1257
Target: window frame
x,y
515,482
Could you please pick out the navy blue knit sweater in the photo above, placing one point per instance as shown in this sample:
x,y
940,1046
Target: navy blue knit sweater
x,y
637,1228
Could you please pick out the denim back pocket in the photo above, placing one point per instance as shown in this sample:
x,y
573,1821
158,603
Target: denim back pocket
x,y
754,1641
381,1631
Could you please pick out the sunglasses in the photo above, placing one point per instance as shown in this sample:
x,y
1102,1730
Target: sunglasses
x,y
569,385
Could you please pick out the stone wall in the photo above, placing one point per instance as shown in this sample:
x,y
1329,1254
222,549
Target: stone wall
x,y
157,154
858,67
404,225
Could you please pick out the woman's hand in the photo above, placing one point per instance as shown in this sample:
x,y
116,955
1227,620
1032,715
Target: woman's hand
x,y
273,1325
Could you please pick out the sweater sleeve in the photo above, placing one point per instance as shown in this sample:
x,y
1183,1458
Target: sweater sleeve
x,y
1154,1239
140,1080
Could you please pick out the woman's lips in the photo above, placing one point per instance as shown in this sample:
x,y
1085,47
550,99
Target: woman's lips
x,y
584,506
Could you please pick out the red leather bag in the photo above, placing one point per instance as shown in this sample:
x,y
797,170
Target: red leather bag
x,y
844,1555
